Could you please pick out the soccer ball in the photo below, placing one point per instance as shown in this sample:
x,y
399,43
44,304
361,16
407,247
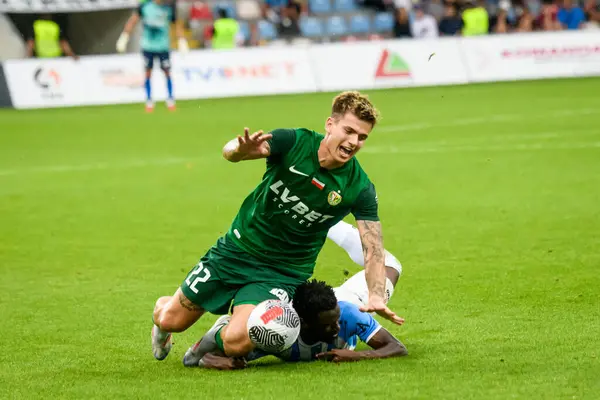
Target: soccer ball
x,y
273,326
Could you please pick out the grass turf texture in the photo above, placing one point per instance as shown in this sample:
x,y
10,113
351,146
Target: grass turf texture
x,y
489,195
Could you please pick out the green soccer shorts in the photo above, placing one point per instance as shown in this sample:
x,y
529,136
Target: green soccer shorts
x,y
225,276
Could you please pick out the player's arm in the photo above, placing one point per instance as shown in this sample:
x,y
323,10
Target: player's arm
x,y
222,363
371,238
129,25
383,345
259,145
228,363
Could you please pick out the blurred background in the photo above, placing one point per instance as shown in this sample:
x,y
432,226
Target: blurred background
x,y
93,26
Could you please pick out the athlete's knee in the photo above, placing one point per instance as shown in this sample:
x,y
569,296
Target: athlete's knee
x,y
169,320
236,341
167,72
148,73
176,313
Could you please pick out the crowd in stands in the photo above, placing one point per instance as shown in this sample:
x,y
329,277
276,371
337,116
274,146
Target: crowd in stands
x,y
301,21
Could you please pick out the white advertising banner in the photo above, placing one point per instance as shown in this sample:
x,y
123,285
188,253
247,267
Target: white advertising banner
x,y
120,79
242,72
394,63
532,56
51,83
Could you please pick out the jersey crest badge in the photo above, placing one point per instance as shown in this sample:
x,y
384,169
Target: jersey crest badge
x,y
334,198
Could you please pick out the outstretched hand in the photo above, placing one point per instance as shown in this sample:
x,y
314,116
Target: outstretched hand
x,y
339,355
253,145
376,304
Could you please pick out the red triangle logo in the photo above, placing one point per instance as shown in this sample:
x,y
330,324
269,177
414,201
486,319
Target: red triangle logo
x,y
391,65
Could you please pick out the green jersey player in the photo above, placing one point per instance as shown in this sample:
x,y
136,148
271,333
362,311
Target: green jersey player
x,y
311,183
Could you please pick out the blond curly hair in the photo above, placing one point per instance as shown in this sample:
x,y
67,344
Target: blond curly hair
x,y
355,103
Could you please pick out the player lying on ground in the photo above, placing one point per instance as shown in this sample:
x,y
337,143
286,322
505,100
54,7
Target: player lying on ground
x,y
311,183
329,330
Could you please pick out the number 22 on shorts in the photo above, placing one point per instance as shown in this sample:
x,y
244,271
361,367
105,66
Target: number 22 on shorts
x,y
195,273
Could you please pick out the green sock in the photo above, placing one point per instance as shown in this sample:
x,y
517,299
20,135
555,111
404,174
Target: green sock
x,y
219,340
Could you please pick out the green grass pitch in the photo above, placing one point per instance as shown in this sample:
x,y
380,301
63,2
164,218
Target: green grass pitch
x,y
489,195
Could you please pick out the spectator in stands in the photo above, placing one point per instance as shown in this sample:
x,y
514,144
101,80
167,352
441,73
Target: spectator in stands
x,y
423,26
475,18
289,26
571,16
402,25
436,8
271,9
380,5
500,21
532,6
200,17
592,10
525,20
47,38
548,18
225,31
451,23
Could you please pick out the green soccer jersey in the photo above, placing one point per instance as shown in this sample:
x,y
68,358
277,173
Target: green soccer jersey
x,y
285,220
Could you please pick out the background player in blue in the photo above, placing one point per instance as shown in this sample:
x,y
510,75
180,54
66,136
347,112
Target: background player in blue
x,y
156,17
330,330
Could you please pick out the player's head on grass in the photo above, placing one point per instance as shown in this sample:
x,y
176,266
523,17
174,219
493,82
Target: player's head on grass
x,y
352,118
319,313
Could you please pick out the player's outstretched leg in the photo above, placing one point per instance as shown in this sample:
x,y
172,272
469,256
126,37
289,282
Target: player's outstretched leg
x,y
171,314
348,238
207,344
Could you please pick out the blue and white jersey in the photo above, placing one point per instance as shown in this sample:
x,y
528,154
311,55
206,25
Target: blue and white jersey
x,y
156,22
354,325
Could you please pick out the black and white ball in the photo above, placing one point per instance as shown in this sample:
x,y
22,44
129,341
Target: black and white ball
x,y
273,326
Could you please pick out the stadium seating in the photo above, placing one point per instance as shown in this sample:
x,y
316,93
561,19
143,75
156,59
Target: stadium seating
x,y
383,22
266,30
229,7
320,6
245,30
336,26
344,6
360,23
311,27
327,20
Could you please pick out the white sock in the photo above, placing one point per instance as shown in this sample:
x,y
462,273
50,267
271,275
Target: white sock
x,y
160,334
347,237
